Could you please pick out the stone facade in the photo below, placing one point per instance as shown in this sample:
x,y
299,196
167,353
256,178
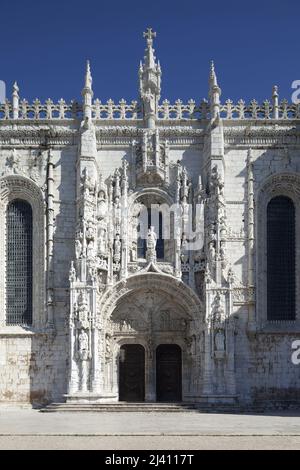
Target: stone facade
x,y
87,169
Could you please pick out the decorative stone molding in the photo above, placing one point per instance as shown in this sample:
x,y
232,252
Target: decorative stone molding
x,y
18,187
283,184
184,295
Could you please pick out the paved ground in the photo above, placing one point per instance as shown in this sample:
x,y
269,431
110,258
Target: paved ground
x,y
149,443
29,429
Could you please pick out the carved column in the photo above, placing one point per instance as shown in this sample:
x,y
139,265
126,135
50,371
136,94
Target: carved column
x,y
230,346
208,366
250,191
96,361
124,224
73,384
50,231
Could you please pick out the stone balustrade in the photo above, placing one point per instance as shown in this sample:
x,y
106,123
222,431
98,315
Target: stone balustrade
x,y
132,111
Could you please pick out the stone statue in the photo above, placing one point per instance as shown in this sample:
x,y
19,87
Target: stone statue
x,y
117,254
78,249
90,249
220,341
151,244
151,239
90,231
102,240
184,249
212,251
72,273
83,345
149,103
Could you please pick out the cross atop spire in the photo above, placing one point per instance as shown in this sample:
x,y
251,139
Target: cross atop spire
x,y
149,34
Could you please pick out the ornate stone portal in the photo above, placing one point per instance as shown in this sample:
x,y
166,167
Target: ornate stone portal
x,y
121,293
149,230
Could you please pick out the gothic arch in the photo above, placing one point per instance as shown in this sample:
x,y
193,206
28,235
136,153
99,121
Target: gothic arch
x,y
156,192
19,187
181,293
154,196
185,312
282,184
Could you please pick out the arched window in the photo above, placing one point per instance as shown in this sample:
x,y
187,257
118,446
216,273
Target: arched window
x,y
19,263
281,259
154,218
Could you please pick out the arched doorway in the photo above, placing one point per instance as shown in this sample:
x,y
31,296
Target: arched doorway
x,y
168,373
132,373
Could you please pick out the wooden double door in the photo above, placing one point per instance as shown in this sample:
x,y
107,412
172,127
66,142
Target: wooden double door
x,y
132,373
168,373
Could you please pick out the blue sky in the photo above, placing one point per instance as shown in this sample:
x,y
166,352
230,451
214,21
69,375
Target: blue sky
x,y
255,44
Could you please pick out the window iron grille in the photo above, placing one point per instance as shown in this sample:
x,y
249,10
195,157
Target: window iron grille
x,y
281,259
19,263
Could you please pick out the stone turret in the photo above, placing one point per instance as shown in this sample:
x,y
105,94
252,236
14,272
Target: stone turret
x,y
15,101
150,82
214,93
87,93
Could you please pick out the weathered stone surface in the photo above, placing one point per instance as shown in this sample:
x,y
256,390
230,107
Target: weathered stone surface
x,y
87,170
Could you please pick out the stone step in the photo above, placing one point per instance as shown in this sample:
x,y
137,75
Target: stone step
x,y
141,407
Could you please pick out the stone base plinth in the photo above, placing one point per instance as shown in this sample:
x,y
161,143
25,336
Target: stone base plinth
x,y
86,397
211,399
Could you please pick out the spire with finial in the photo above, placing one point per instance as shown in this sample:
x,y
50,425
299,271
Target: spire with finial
x,y
88,76
15,101
214,92
212,75
87,92
150,80
149,51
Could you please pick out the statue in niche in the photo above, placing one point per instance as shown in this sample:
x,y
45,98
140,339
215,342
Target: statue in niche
x,y
92,270
90,231
134,251
83,312
222,225
102,240
211,244
78,249
151,244
217,182
149,102
117,254
72,273
222,254
117,212
218,312
220,341
102,209
83,346
90,249
184,250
